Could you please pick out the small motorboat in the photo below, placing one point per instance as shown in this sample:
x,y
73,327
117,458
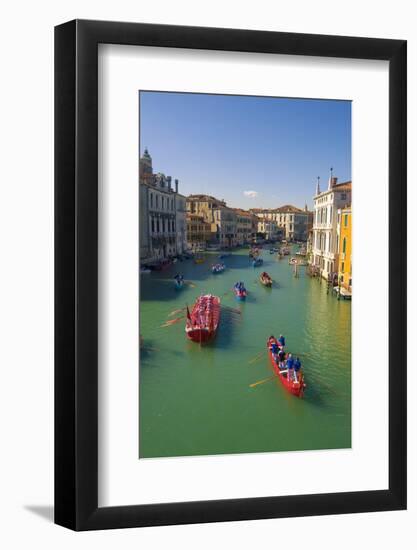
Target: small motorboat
x,y
240,291
203,321
292,382
293,261
218,268
256,262
265,279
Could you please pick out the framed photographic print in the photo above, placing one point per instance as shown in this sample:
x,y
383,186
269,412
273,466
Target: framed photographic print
x,y
217,193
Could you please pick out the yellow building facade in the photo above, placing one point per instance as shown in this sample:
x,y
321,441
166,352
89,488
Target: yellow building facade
x,y
345,247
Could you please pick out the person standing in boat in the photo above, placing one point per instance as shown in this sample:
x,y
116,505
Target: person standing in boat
x,y
290,365
281,341
281,358
297,367
273,346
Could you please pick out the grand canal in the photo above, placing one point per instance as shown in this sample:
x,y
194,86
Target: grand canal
x,y
196,400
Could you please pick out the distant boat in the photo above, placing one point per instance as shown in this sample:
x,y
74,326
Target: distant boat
x,y
217,268
199,260
265,279
296,387
301,252
257,262
240,291
179,281
203,321
162,265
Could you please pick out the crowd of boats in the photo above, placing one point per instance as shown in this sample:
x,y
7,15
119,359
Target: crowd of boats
x,y
202,322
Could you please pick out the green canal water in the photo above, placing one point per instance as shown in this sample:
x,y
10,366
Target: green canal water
x,y
196,400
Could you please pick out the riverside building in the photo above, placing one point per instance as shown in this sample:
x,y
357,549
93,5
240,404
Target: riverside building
x,y
294,221
162,213
325,246
344,238
222,219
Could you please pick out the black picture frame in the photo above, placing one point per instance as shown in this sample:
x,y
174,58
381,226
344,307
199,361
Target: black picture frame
x,y
76,272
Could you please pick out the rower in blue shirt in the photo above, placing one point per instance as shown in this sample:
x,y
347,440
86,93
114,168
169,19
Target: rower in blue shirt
x,y
281,340
290,363
297,367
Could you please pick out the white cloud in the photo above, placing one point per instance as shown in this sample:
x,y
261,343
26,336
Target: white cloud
x,y
251,194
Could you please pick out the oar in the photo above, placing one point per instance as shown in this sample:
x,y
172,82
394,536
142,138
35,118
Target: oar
x,y
190,283
176,311
262,381
172,322
256,358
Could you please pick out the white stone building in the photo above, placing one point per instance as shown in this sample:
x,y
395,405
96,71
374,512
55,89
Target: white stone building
x,y
162,211
269,228
225,220
324,242
294,221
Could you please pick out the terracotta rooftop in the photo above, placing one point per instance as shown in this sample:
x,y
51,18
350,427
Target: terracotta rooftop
x,y
343,186
286,208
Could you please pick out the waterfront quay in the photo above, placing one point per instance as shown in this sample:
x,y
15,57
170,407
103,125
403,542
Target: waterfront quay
x,y
198,399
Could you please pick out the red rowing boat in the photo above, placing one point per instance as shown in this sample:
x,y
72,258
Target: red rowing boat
x,y
296,387
203,321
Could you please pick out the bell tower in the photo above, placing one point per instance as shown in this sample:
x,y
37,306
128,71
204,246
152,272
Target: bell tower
x,y
145,167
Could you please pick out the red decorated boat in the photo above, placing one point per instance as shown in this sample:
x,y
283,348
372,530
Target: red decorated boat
x,y
296,387
203,321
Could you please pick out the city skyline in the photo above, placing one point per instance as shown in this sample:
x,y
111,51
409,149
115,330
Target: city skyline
x,y
252,152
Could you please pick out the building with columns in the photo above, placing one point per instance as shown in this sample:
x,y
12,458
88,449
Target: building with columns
x,y
162,212
294,221
325,245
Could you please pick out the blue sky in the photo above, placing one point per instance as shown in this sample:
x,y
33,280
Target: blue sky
x,y
271,148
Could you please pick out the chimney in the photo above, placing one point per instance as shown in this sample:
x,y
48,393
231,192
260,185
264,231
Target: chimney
x,y
169,179
176,186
